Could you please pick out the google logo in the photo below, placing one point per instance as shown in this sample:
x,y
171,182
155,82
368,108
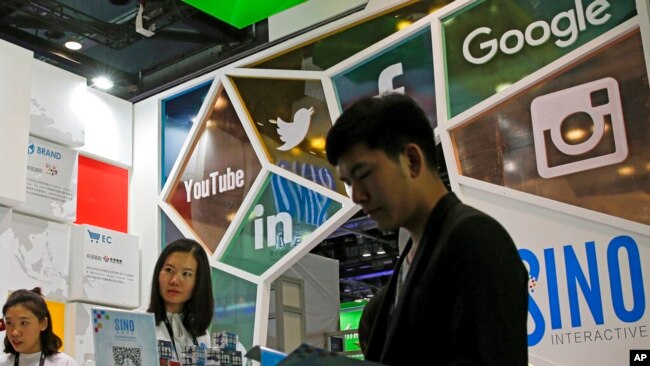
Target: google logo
x,y
566,26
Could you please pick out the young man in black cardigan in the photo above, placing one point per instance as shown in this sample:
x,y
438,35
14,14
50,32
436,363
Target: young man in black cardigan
x,y
458,295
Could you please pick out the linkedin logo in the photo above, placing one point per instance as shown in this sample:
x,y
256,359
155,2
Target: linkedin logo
x,y
600,101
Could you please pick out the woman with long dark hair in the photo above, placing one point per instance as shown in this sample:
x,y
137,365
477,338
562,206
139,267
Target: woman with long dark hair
x,y
181,295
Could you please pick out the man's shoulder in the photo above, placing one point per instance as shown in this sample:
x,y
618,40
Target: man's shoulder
x,y
462,211
468,222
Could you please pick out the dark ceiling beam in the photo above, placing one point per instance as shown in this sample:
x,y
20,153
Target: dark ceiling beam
x,y
260,43
55,15
185,35
5,10
74,62
208,60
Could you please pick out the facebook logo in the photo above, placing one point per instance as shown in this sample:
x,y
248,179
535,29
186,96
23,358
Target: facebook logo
x,y
639,357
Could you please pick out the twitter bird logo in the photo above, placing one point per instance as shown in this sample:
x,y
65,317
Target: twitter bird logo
x,y
292,133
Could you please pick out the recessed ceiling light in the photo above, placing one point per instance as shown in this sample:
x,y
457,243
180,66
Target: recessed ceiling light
x,y
73,45
102,82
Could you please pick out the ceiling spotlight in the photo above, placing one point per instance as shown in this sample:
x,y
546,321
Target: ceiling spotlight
x,y
366,253
381,250
102,82
73,45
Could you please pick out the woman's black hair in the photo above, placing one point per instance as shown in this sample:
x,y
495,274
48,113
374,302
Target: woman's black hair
x,y
34,302
197,311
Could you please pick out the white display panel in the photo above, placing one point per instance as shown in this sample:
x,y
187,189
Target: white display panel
x,y
51,181
105,267
57,95
588,288
38,255
5,251
109,127
16,76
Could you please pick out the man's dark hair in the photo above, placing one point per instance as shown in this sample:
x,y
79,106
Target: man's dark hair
x,y
387,122
34,302
198,310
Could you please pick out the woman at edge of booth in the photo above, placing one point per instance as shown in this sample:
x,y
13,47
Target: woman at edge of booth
x,y
29,338
181,296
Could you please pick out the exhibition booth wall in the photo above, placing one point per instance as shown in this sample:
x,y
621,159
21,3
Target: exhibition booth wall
x,y
497,94
577,212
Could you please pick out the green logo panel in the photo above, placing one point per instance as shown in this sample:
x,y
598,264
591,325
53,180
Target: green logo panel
x,y
281,218
579,137
217,175
405,67
494,43
292,122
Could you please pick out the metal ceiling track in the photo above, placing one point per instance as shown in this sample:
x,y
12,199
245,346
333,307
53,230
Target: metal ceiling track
x,y
55,15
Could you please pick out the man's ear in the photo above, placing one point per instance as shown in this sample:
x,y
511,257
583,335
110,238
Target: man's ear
x,y
414,159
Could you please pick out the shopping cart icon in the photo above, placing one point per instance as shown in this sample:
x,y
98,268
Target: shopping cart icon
x,y
94,237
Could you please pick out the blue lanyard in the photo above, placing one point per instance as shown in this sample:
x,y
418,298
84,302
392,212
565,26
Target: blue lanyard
x,y
40,363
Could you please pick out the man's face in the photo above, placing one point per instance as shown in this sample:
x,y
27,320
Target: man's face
x,y
378,183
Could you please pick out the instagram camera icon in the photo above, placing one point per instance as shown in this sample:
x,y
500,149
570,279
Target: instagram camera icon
x,y
549,111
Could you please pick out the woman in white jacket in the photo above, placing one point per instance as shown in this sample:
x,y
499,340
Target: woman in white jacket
x,y
181,296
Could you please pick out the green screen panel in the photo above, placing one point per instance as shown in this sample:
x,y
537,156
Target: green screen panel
x,y
404,67
281,218
492,44
234,306
292,123
612,177
349,319
241,13
351,314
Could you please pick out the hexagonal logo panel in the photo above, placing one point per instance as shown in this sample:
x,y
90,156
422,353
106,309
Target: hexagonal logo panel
x,y
484,53
292,124
281,218
217,174
404,66
579,137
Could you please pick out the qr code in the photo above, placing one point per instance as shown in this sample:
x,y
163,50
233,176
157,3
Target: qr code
x,y
127,356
